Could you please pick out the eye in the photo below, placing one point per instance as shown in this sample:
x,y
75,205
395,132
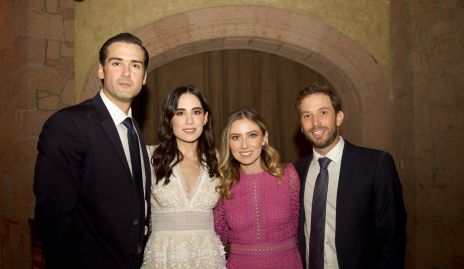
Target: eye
x,y
253,135
115,63
234,137
179,113
306,116
137,66
198,112
324,112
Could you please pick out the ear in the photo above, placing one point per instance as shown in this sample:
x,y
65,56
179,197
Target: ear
x,y
100,72
144,78
265,139
205,118
340,117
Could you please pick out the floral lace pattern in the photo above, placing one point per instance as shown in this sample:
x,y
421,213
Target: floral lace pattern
x,y
183,231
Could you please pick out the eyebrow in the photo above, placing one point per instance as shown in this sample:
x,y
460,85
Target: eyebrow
x,y
193,108
121,59
252,131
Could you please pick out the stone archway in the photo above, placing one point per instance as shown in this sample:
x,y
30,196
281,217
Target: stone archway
x,y
346,64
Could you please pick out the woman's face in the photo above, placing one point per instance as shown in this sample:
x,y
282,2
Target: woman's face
x,y
189,119
246,141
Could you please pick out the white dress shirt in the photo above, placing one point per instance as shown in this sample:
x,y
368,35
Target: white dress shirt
x,y
118,117
335,155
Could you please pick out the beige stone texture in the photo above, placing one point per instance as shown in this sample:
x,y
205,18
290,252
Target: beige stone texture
x,y
51,6
68,95
53,50
67,3
45,25
43,78
69,30
67,49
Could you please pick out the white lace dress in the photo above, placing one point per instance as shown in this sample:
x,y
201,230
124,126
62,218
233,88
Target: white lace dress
x,y
182,225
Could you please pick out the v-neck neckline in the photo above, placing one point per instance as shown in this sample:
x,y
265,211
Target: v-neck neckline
x,y
189,195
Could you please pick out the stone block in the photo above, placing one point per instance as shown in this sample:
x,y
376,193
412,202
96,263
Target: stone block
x,y
67,49
67,13
67,3
43,78
53,50
26,101
69,30
51,6
68,96
36,5
65,66
47,101
47,26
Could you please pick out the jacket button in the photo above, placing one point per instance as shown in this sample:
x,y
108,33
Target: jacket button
x,y
135,222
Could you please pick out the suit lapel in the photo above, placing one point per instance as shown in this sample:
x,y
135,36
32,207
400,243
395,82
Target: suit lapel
x,y
112,134
346,182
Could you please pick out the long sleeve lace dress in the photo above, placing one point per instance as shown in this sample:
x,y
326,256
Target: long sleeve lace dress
x,y
260,221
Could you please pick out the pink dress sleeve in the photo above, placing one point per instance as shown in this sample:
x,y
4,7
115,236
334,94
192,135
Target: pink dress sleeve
x,y
220,223
294,188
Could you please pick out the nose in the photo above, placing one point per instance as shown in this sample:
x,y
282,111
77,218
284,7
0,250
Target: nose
x,y
189,119
315,121
126,70
244,143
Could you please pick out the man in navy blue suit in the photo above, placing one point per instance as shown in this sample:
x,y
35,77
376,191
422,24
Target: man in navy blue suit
x,y
363,219
92,180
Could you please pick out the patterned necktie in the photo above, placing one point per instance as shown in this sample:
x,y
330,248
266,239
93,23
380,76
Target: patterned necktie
x,y
136,164
316,238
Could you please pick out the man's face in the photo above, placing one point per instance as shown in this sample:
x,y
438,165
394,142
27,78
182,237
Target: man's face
x,y
123,73
319,122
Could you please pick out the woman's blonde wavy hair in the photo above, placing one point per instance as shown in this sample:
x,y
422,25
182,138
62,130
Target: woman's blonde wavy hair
x,y
229,167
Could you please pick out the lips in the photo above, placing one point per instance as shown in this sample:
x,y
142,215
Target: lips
x,y
245,153
125,84
318,133
189,130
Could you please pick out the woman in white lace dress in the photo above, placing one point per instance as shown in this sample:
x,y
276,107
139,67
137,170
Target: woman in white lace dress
x,y
183,192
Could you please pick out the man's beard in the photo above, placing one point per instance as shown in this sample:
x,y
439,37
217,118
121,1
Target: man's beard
x,y
321,144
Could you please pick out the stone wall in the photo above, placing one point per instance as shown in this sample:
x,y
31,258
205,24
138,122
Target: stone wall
x,y
428,82
37,67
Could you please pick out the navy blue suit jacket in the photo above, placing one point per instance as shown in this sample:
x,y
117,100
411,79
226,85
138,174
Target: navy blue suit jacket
x,y
370,218
87,208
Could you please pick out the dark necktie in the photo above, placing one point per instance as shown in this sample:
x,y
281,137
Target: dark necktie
x,y
136,164
316,237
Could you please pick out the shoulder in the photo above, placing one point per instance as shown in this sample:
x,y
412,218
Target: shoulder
x,y
367,155
151,148
81,112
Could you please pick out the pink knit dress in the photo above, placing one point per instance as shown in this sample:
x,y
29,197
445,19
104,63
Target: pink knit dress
x,y
260,221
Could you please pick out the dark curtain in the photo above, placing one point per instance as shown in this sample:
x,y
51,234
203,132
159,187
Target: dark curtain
x,y
230,80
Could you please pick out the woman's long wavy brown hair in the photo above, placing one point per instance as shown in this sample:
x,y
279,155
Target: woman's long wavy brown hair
x,y
167,154
229,167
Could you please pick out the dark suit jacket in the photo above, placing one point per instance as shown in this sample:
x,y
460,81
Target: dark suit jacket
x,y
87,207
370,218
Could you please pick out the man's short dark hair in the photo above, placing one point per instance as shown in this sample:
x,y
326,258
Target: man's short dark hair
x,y
125,38
320,87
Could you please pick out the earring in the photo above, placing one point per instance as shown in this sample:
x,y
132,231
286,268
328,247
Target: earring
x,y
204,123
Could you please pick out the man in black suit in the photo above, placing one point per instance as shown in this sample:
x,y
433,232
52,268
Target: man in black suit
x,y
92,185
352,213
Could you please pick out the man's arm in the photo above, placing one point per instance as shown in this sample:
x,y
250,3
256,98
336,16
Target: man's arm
x,y
390,215
56,182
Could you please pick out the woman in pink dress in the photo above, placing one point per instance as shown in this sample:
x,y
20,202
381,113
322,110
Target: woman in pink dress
x,y
258,210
